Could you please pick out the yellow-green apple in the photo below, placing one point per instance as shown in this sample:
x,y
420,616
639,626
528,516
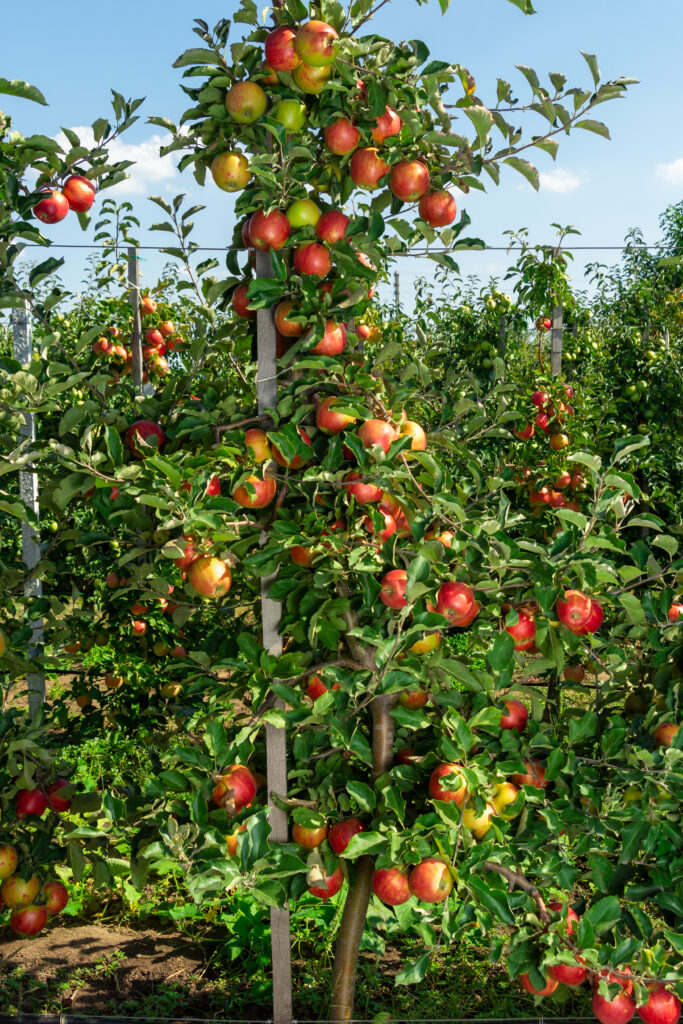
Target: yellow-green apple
x,y
328,885
362,491
279,49
231,839
8,861
256,440
430,880
664,734
297,461
330,421
409,180
240,302
341,137
269,230
28,920
393,590
287,328
230,171
452,773
438,208
291,114
367,168
478,824
428,643
412,698
301,555
333,341
377,432
342,832
534,775
408,428
235,789
388,124
332,226
311,80
264,492
56,897
210,577
312,259
504,794
316,43
547,989
307,837
390,885
303,212
245,102
16,891
455,601
558,441
52,208
79,193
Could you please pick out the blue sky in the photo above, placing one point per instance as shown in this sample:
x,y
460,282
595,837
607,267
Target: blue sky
x,y
602,188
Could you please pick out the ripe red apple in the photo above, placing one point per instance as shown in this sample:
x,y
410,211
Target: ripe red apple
x,y
662,1007
549,986
8,861
517,716
438,792
333,341
147,305
664,734
391,886
55,802
332,227
330,421
675,612
594,620
316,43
29,920
312,259
341,137
455,601
363,492
571,919
297,462
342,832
31,802
405,755
237,785
542,420
523,631
301,555
256,440
540,398
574,673
388,530
209,576
408,428
56,897
312,80
567,974
288,328
240,302
307,837
16,891
329,885
430,880
619,1010
438,209
367,168
558,441
524,433
534,775
145,438
279,49
269,230
79,192
412,698
574,610
139,628
316,687
53,208
245,102
393,590
409,180
377,432
230,171
388,124
265,492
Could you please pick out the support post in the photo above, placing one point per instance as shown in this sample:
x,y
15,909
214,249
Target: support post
x,y
134,298
667,340
397,291
276,739
556,342
22,343
501,336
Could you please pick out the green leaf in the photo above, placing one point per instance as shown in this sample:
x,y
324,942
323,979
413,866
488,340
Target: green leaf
x,y
581,728
414,972
23,90
594,126
198,56
114,445
633,608
482,119
494,900
592,62
604,914
525,168
362,794
501,651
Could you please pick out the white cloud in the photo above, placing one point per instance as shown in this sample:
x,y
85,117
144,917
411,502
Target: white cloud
x,y
149,169
560,180
671,173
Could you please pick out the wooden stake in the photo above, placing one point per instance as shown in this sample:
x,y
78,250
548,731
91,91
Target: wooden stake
x,y
22,343
276,739
556,342
134,298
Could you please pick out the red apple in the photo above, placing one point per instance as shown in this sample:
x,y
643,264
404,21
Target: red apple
x,y
145,437
594,620
619,1010
367,168
265,492
408,428
237,785
79,192
534,775
279,49
53,208
307,837
361,491
377,432
438,792
413,698
240,302
245,102
391,886
571,919
558,441
147,305
675,612
409,180
405,755
312,259
16,891
316,687
662,1007
388,124
209,576
139,628
523,631
567,974
549,986
55,802
332,227
574,673
301,555
342,832
664,734
56,897
389,526
31,802
288,328
297,462
438,209
269,230
540,398
329,885
330,421
431,880
393,590
517,716
333,341
524,433
29,920
230,171
312,80
341,137
574,610
455,601
316,43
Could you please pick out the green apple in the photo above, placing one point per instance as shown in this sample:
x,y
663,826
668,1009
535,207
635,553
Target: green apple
x,y
290,113
303,212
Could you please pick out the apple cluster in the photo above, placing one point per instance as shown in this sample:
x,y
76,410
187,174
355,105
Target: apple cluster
x,y
77,194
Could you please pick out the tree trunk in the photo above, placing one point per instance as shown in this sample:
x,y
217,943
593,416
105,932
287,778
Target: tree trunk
x,y
358,899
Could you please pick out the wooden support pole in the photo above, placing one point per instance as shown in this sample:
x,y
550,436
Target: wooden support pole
x,y
134,298
22,343
276,739
556,342
667,340
397,292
